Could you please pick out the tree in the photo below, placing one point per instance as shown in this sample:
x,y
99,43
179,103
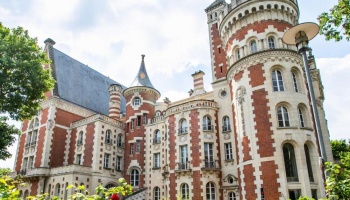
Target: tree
x,y
339,147
336,23
23,80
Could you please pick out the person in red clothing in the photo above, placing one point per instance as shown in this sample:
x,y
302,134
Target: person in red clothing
x,y
115,197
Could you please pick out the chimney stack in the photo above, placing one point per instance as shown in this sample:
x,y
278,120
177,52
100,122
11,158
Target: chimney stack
x,y
114,100
198,83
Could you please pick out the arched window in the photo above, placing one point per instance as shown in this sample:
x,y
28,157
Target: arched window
x,y
156,137
282,115
134,178
301,118
36,122
231,196
253,47
136,101
120,142
207,126
290,163
271,41
108,138
295,82
158,113
210,190
277,81
185,191
238,54
110,185
183,127
57,190
156,193
80,138
25,195
226,124
308,163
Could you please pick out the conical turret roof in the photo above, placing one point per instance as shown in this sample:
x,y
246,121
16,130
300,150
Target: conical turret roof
x,y
142,78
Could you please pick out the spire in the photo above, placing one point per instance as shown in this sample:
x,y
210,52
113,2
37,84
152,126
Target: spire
x,y
142,78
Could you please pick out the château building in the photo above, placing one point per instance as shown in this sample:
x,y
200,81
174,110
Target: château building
x,y
252,137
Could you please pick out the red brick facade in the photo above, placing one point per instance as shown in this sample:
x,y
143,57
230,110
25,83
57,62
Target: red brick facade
x,y
219,53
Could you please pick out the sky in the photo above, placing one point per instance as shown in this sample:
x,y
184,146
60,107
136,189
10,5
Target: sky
x,y
110,36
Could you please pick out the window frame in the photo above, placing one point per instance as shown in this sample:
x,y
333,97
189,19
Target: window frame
x,y
134,177
210,191
283,117
231,196
207,124
185,191
290,164
156,193
78,161
271,44
108,138
136,101
253,46
295,82
277,81
106,160
156,137
156,160
226,126
118,164
228,151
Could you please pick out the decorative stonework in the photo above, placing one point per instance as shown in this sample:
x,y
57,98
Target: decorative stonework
x,y
227,136
191,105
66,106
241,91
98,117
264,57
183,138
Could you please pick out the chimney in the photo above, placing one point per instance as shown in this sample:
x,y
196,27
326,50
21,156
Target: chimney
x,y
198,83
114,100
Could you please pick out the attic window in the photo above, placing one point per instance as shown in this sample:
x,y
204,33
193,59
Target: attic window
x,y
137,101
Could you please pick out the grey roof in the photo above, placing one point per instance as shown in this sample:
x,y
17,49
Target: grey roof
x,y
79,84
215,3
142,78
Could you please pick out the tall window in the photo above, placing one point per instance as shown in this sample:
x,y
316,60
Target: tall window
x,y
131,148
120,142
134,178
79,159
29,139
132,124
277,81
156,160
282,115
301,118
253,47
25,163
31,162
138,145
295,82
57,190
308,163
118,166
183,127
210,190
106,160
183,157
144,118
156,137
80,138
207,126
108,139
226,124
294,194
238,54
228,151
271,41
185,191
231,196
209,155
156,193
137,101
138,121
290,163
35,134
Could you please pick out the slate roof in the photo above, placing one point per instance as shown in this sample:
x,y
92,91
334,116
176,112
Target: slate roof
x,y
142,78
79,84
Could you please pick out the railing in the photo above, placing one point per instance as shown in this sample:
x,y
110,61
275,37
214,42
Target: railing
x,y
33,172
27,144
191,105
226,128
70,169
156,140
183,166
120,144
109,141
80,142
207,127
210,164
156,119
33,143
182,131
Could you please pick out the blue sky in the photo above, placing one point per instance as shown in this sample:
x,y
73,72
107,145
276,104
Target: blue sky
x,y
111,35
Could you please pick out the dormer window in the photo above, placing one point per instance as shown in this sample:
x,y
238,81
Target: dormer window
x,y
136,101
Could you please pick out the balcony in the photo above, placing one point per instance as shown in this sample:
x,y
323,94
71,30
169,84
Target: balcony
x,y
35,172
108,141
121,144
156,140
210,165
182,131
207,127
70,169
226,128
183,167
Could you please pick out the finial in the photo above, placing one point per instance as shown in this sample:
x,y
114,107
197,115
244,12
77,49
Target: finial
x,y
143,56
49,41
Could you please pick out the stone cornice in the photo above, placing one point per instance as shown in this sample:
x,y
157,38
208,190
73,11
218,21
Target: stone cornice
x,y
97,117
195,104
264,57
140,89
66,106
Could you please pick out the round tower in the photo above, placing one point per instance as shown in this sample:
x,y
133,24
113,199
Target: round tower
x,y
114,100
140,97
274,135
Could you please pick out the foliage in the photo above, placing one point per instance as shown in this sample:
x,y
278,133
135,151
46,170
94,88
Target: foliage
x,y
336,23
8,136
305,198
4,171
339,147
8,188
23,80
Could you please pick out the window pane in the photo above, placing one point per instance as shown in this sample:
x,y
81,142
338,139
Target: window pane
x,y
290,163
